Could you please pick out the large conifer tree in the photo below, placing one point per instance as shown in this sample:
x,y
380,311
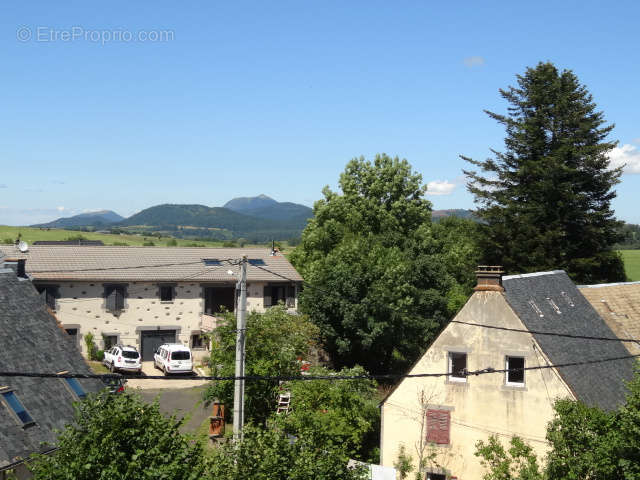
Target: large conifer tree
x,y
546,200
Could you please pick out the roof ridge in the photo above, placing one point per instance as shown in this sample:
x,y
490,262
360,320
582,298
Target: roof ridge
x,y
533,274
615,284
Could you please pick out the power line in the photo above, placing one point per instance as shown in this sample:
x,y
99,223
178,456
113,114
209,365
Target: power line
x,y
552,334
285,378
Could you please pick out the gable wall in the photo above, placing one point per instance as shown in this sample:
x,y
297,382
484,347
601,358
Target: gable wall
x,y
481,406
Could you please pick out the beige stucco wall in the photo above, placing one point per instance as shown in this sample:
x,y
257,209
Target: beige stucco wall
x,y
81,305
484,404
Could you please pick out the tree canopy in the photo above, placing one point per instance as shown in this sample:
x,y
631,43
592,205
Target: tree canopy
x,y
275,340
120,436
546,200
378,285
343,413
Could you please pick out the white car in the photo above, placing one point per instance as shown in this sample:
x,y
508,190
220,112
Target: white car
x,y
173,358
122,357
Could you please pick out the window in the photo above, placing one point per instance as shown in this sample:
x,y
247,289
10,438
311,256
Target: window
x,y
515,371
256,261
109,341
166,293
211,262
457,367
217,299
438,424
16,406
49,294
180,355
436,476
114,295
76,388
274,294
198,341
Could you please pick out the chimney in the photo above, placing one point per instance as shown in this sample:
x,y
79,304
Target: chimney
x,y
489,278
17,265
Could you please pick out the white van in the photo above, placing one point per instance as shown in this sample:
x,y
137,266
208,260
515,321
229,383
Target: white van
x,y
173,358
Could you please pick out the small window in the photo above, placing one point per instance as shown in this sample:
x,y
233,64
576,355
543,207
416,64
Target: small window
x,y
76,388
16,405
114,295
180,355
256,261
438,424
515,371
109,341
457,367
198,341
166,293
436,476
211,262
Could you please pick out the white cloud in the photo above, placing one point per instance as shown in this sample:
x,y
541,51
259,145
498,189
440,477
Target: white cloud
x,y
438,187
626,156
475,61
60,209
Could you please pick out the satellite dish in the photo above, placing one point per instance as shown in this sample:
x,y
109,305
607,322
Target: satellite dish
x,y
23,246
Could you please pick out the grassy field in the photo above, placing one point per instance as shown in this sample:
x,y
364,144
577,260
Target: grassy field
x,y
632,264
30,235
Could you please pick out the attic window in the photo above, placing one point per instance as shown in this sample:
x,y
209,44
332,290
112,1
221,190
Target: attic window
x,y
457,367
256,261
567,299
554,306
535,308
76,388
515,371
211,262
16,406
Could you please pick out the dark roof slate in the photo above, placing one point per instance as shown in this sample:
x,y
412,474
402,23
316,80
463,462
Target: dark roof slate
x,y
550,302
32,341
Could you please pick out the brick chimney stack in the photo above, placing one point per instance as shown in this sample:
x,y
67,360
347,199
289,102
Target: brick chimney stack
x,y
489,278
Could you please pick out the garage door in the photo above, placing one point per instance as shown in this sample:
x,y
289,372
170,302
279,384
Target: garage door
x,y
152,339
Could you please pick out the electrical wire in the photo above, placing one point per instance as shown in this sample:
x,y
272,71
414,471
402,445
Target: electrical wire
x,y
157,265
285,378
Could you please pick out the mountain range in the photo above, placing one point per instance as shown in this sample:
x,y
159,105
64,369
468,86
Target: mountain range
x,y
257,219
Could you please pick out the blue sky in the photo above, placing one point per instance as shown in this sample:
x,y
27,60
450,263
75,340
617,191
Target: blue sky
x,y
125,105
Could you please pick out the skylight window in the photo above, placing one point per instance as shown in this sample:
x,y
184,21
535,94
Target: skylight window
x,y
554,306
535,308
567,299
76,388
16,405
256,261
211,262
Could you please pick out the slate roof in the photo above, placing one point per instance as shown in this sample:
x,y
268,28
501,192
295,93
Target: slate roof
x,y
619,305
31,340
111,263
550,302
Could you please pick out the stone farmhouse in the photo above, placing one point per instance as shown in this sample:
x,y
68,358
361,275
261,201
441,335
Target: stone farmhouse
x,y
33,409
441,418
146,296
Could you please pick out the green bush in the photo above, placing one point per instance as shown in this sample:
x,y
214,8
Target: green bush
x,y
100,355
92,349
172,243
148,244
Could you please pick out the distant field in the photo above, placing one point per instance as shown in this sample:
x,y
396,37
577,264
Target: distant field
x,y
30,235
632,264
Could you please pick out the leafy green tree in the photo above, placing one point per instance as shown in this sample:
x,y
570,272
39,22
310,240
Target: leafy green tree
x,y
546,200
378,283
343,413
518,462
120,436
274,342
272,455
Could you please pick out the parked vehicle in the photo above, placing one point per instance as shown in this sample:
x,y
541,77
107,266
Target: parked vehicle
x,y
124,358
173,358
114,385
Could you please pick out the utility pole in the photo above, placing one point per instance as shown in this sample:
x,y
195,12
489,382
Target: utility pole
x,y
241,316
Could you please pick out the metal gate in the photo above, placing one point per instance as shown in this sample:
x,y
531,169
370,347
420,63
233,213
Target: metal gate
x,y
150,340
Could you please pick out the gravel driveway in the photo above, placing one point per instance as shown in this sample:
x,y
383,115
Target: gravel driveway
x,y
177,381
